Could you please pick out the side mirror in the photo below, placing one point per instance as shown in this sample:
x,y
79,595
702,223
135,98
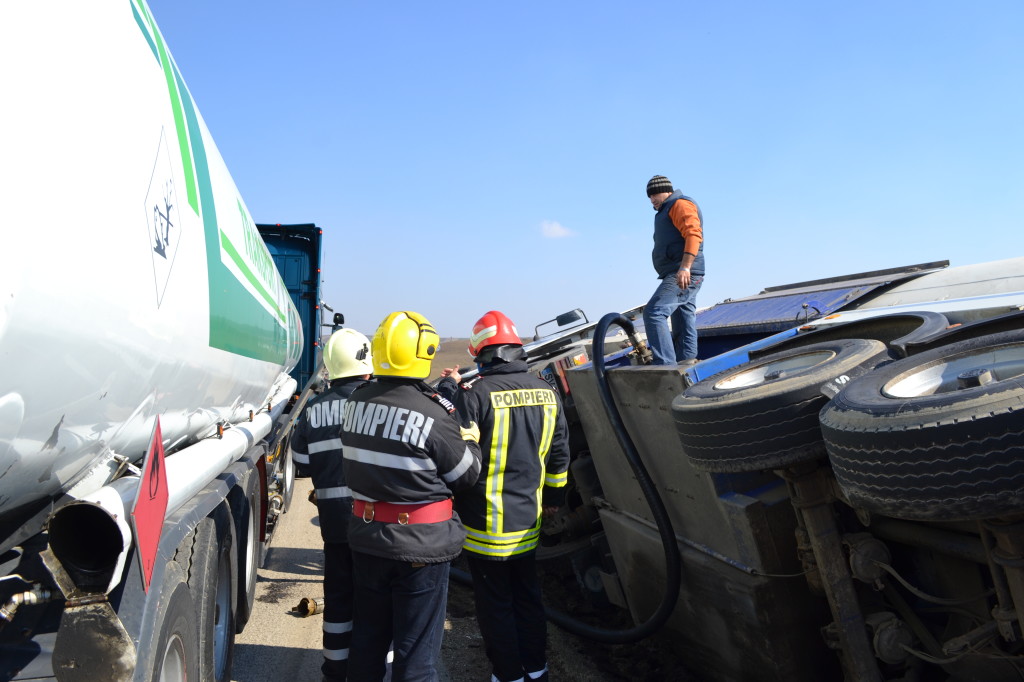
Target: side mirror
x,y
570,317
339,319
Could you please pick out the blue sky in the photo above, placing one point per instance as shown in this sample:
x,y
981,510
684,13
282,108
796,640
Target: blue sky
x,y
463,157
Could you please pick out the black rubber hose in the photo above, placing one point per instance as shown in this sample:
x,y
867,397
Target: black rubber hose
x,y
661,518
668,538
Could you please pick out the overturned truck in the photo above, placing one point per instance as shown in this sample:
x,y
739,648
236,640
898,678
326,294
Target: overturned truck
x,y
835,491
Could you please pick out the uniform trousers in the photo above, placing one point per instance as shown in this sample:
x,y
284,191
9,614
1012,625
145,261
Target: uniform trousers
x,y
338,609
511,614
398,602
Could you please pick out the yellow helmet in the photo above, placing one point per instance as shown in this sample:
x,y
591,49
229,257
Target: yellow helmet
x,y
347,354
404,346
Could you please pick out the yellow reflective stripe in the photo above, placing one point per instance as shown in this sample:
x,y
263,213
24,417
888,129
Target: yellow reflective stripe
x,y
513,536
546,438
556,480
496,469
501,544
491,550
548,430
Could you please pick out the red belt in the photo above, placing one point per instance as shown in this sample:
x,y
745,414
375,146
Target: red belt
x,y
387,512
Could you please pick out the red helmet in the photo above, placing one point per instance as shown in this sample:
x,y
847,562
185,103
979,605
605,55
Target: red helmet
x,y
493,329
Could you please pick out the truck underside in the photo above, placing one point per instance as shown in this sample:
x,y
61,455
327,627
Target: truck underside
x,y
843,497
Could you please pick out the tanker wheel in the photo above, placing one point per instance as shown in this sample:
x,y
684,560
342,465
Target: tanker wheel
x,y
937,436
763,414
288,476
177,644
212,581
246,512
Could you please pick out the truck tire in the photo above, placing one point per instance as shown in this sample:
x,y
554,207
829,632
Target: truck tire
x,y
212,582
176,641
937,436
288,478
247,516
763,414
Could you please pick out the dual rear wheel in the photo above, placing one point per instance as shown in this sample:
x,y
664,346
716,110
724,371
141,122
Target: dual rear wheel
x,y
197,605
934,436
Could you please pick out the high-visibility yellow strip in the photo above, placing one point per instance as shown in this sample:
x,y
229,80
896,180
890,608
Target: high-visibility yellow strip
x,y
513,536
496,469
502,544
556,480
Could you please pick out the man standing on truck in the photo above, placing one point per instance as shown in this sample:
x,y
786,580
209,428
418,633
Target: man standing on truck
x,y
678,257
405,455
317,445
525,449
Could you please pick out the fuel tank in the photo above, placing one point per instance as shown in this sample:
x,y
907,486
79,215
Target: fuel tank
x,y
133,281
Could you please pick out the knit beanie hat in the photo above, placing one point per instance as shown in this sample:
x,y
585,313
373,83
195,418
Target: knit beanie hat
x,y
659,184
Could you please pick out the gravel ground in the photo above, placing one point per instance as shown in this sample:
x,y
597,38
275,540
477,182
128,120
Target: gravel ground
x,y
570,658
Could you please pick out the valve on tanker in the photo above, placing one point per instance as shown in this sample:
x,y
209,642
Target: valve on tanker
x,y
276,505
37,595
867,556
890,637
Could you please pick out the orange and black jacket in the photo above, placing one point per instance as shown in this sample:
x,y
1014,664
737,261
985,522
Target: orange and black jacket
x,y
524,450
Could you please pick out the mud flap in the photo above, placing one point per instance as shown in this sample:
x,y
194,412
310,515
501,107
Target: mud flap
x,y
92,644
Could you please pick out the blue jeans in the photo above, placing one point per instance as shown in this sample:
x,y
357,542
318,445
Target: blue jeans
x,y
402,603
681,305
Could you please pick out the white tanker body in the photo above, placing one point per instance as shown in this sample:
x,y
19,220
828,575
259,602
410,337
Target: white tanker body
x,y
134,288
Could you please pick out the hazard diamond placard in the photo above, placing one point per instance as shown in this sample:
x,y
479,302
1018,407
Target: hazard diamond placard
x,y
150,506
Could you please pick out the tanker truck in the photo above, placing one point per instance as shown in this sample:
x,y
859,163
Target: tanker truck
x,y
146,345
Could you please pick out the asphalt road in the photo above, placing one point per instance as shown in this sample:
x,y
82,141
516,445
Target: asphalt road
x,y
277,643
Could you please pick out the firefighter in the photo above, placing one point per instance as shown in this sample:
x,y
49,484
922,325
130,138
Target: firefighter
x,y
316,445
405,455
525,449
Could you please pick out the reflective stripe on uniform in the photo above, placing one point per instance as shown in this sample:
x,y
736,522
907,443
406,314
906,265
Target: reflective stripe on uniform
x,y
333,493
338,628
556,480
383,459
300,458
323,445
501,544
462,467
496,469
336,654
548,432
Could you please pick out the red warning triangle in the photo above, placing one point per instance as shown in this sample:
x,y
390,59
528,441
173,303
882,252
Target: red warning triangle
x,y
150,506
